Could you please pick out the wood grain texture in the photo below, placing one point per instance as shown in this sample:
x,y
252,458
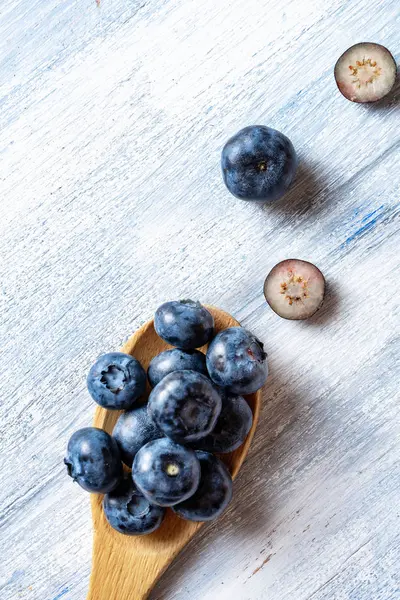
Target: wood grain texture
x,y
128,567
111,125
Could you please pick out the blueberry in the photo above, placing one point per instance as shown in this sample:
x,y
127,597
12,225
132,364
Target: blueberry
x,y
129,512
165,472
233,425
175,360
366,72
93,460
295,289
133,430
258,163
116,381
236,360
185,405
184,323
213,494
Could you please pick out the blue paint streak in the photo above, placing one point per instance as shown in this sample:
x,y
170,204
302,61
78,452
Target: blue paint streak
x,y
359,232
15,576
371,214
379,213
61,594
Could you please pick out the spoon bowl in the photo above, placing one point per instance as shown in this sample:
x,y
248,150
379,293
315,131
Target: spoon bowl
x,y
128,567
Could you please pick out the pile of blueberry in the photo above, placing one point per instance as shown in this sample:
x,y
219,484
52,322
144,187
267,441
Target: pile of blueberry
x,y
195,408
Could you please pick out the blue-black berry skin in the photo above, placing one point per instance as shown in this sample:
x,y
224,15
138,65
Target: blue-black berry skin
x,y
133,430
116,381
236,360
166,472
93,460
129,512
258,163
175,360
185,405
184,323
232,427
213,494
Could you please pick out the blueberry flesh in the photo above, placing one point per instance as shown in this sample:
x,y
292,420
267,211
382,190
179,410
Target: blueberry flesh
x,y
213,494
175,360
295,289
93,460
233,425
258,163
166,472
129,512
133,430
366,72
184,323
116,381
236,360
185,405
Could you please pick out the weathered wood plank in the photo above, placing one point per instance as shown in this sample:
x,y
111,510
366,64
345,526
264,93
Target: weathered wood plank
x,y
111,123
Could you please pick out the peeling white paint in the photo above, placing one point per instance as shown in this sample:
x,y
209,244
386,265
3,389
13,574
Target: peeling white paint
x,y
111,124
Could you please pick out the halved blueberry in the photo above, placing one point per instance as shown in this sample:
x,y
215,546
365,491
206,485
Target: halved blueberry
x,y
366,72
295,289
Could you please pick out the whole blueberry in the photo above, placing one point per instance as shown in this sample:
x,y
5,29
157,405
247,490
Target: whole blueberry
x,y
93,460
185,405
258,163
184,323
232,427
133,430
129,512
236,360
116,381
213,494
175,360
165,472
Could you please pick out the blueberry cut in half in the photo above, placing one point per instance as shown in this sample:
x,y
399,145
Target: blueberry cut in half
x,y
236,360
116,381
213,494
366,72
166,472
133,430
175,360
184,323
232,427
129,512
258,163
93,460
295,289
185,405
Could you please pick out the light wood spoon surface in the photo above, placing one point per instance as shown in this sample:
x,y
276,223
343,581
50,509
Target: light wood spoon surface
x,y
128,567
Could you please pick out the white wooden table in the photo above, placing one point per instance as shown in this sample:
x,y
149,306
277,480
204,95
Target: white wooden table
x,y
113,116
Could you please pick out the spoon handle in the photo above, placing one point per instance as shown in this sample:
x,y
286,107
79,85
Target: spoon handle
x,y
120,574
128,567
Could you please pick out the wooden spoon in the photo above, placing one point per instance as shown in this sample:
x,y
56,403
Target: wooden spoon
x,y
128,567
